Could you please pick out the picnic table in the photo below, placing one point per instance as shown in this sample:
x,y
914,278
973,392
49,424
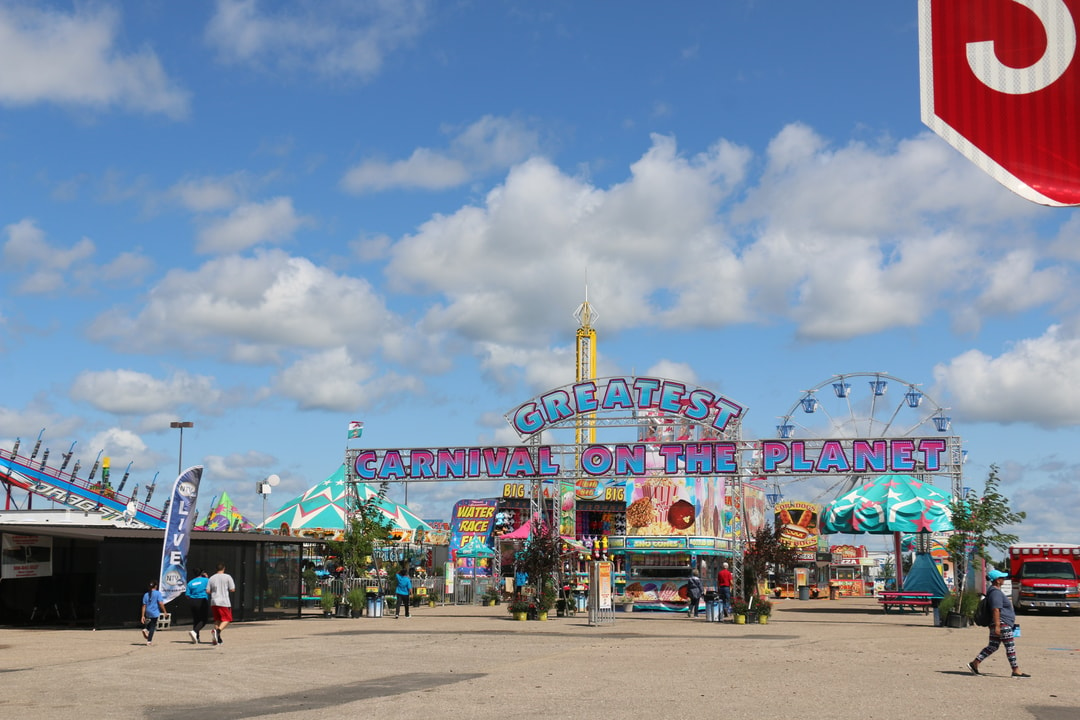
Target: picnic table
x,y
899,600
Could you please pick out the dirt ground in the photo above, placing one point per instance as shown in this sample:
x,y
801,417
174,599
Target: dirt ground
x,y
814,659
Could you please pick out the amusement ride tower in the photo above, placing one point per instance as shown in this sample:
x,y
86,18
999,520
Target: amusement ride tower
x,y
585,430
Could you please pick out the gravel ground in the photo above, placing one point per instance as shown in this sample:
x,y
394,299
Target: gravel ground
x,y
820,658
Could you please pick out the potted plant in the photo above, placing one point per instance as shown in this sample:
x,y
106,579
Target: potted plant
x,y
390,601
311,581
740,608
491,596
958,616
763,607
356,598
546,601
519,608
328,600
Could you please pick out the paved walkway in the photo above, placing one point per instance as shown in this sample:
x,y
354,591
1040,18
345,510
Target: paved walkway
x,y
815,659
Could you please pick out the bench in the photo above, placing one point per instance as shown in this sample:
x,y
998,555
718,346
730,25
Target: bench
x,y
914,601
303,599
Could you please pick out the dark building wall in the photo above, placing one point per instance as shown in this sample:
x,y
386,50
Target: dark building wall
x,y
101,583
65,597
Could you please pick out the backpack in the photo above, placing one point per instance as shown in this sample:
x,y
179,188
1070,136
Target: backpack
x,y
984,615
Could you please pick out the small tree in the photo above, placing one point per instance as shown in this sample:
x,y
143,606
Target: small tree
x,y
540,559
978,525
888,569
767,549
368,528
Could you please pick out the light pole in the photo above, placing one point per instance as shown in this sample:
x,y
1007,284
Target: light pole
x,y
264,488
180,460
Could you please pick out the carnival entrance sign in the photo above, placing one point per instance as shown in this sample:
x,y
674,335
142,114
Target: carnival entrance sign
x,y
1000,83
672,452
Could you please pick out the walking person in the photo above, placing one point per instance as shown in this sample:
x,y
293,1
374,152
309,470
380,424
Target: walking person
x,y
694,589
723,590
219,586
1001,625
200,605
403,590
153,605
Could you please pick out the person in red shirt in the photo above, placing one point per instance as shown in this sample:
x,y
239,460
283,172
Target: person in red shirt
x,y
723,589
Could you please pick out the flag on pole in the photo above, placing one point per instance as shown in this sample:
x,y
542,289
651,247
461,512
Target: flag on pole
x,y
179,523
356,429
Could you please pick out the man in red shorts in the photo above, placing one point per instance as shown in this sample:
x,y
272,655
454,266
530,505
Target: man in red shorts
x,y
219,587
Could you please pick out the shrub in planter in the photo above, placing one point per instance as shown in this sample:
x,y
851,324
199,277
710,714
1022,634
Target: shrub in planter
x,y
357,600
762,606
328,601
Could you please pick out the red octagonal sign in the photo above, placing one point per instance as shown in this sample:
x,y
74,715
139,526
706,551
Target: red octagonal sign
x,y
1000,82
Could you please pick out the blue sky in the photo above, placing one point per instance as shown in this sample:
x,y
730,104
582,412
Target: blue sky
x,y
273,218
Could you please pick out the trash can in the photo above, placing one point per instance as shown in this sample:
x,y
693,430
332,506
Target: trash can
x,y
712,606
374,606
581,601
834,592
804,592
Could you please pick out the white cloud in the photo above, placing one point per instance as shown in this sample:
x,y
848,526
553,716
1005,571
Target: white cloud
x,y
425,169
843,242
237,466
128,267
121,447
1037,380
206,194
333,380
16,423
273,221
490,143
72,59
128,392
43,267
256,306
673,369
538,232
1013,283
349,38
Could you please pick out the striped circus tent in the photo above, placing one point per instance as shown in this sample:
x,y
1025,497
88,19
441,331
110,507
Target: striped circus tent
x,y
321,511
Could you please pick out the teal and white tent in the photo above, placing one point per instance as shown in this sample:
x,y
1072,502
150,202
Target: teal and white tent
x,y
323,508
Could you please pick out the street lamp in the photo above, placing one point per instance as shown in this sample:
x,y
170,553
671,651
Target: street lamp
x,y
180,459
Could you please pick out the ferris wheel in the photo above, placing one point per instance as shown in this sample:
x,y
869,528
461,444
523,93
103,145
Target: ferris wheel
x,y
871,405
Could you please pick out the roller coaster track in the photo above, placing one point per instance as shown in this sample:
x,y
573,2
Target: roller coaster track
x,y
63,487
